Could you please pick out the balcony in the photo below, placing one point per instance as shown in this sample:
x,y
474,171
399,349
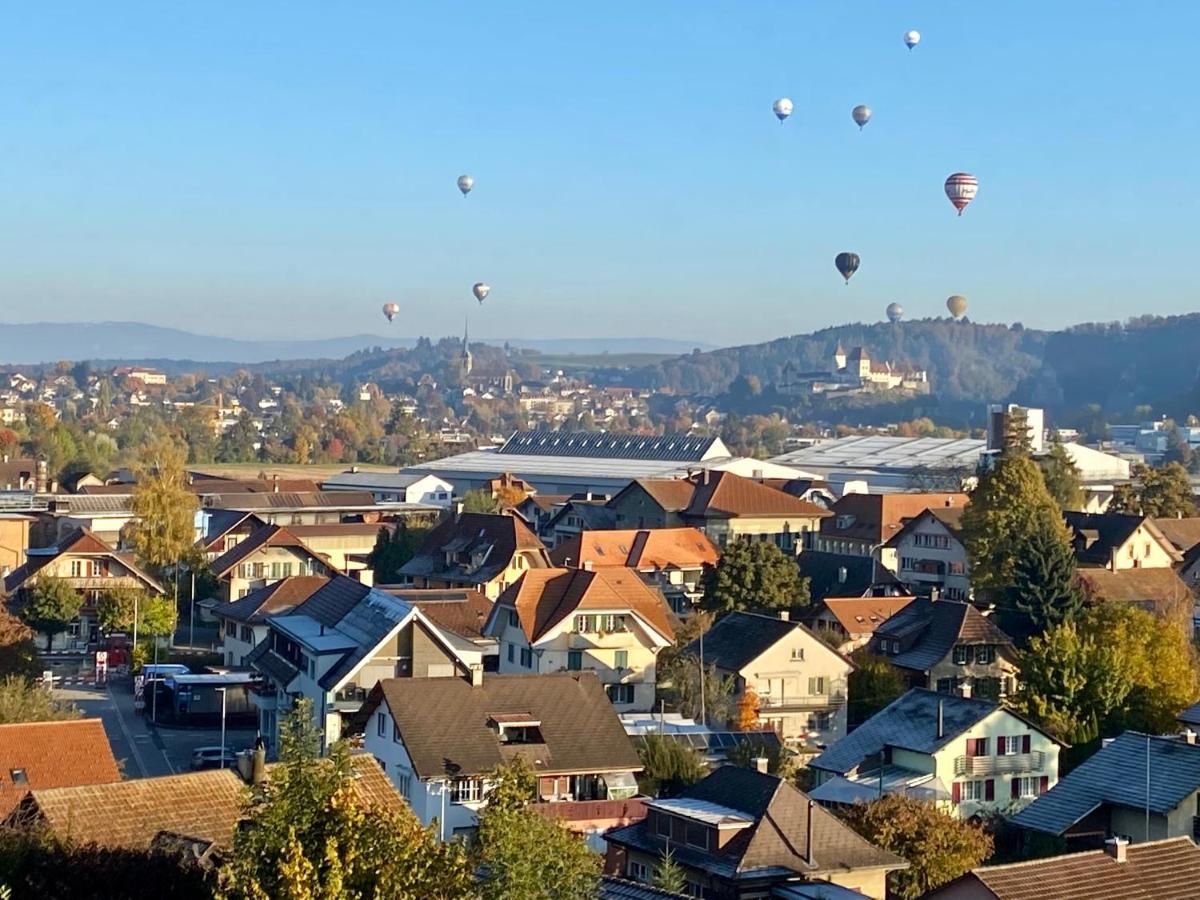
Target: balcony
x,y
803,701
999,765
349,698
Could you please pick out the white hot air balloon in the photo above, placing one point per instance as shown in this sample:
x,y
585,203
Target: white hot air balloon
x,y
861,115
912,38
782,108
481,290
961,188
391,310
465,183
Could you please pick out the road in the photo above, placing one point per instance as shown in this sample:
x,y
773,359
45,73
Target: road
x,y
143,750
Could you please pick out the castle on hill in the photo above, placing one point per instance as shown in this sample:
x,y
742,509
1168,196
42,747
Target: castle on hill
x,y
854,373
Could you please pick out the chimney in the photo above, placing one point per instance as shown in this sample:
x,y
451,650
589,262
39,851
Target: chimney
x,y
964,689
941,720
808,835
1188,736
1112,559
785,616
757,474
762,764
706,476
587,565
1117,847
275,483
476,675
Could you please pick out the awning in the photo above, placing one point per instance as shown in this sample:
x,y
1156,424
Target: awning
x,y
621,785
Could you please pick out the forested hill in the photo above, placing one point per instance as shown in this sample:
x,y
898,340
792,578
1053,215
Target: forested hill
x,y
1150,360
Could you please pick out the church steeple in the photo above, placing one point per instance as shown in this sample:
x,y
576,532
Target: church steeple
x,y
465,362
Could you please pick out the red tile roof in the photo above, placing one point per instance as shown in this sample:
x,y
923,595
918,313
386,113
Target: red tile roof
x,y
862,615
657,548
878,517
722,494
52,755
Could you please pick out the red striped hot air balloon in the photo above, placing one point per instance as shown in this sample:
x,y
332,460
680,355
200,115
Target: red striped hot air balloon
x,y
961,188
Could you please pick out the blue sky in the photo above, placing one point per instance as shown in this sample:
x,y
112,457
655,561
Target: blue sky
x,y
209,165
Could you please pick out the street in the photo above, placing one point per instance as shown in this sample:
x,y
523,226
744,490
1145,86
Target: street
x,y
142,750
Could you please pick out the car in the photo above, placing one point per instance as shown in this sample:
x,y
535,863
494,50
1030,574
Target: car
x,y
211,758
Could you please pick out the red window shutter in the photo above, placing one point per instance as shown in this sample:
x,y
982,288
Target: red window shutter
x,y
1000,745
989,789
1016,788
956,792
1025,744
971,751
1044,785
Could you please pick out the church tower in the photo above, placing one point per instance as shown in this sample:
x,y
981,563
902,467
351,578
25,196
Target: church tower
x,y
465,362
839,358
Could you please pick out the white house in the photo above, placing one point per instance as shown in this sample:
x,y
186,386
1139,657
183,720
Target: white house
x,y
438,740
605,620
396,487
970,756
928,554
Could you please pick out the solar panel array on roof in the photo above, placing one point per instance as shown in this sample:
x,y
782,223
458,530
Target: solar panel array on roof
x,y
671,447
719,743
885,452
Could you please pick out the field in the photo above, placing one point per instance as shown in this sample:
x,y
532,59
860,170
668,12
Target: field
x,y
283,470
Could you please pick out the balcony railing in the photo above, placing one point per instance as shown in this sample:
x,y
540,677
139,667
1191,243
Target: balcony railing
x,y
999,765
803,701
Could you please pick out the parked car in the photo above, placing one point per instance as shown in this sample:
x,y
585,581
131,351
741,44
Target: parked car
x,y
211,758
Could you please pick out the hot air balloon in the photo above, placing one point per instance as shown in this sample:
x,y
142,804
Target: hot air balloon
x,y
861,114
782,108
847,264
912,38
465,183
961,188
481,290
391,310
957,305
895,312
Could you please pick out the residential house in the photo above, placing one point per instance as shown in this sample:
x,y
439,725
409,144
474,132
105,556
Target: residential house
x,y
203,807
221,530
1184,535
40,755
336,645
536,510
928,555
575,516
24,474
1160,591
268,554
344,546
1116,542
652,503
798,679
88,565
605,620
726,506
396,487
1144,787
835,575
242,624
105,516
438,739
970,756
1159,870
487,552
861,524
850,622
674,559
949,647
462,612
14,539
741,834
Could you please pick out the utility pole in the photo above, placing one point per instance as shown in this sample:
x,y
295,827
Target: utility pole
x,y
703,711
192,614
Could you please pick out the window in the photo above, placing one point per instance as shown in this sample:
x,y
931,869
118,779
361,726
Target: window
x,y
984,655
403,780
247,634
574,660
819,721
18,777
637,872
511,652
973,790
956,568
1026,786
797,654
908,563
621,659
977,746
696,835
662,825
947,685
962,655
287,570
619,693
816,686
396,732
382,764
466,790
381,724
526,657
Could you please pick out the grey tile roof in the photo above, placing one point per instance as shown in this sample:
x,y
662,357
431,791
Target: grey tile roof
x,y
1115,775
777,843
366,623
490,541
909,722
937,625
612,888
277,597
274,666
444,722
330,604
823,571
738,638
602,445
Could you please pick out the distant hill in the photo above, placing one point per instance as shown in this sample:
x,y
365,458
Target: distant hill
x,y
130,341
1116,366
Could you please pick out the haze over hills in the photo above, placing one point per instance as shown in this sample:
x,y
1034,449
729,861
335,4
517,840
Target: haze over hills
x,y
28,344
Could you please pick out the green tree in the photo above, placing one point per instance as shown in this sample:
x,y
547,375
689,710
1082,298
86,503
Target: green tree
x,y
478,501
52,606
938,848
163,532
1178,450
309,836
393,548
1007,508
22,700
1164,493
780,760
669,875
753,574
668,767
1044,586
1061,477
117,606
18,653
873,684
524,854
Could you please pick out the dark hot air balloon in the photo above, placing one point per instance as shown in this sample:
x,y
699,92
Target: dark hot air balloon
x,y
847,264
481,290
895,312
391,310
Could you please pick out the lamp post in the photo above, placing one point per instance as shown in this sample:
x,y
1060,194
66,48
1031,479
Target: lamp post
x,y
222,691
